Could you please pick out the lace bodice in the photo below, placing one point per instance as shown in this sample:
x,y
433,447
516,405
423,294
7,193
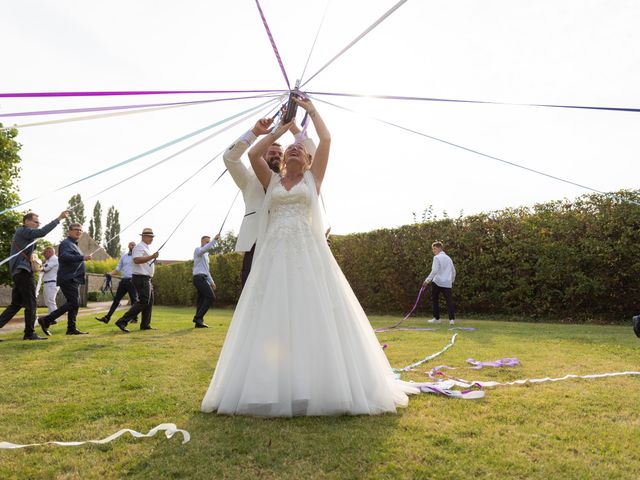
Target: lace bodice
x,y
290,211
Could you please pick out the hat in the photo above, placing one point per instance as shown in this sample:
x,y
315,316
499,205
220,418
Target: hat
x,y
147,231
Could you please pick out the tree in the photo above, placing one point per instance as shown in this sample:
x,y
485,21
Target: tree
x,y
76,215
112,233
227,243
95,224
9,174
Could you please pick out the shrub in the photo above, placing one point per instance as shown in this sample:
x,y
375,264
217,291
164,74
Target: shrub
x,y
102,266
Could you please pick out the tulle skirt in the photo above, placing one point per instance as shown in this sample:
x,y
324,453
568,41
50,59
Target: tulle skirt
x,y
299,342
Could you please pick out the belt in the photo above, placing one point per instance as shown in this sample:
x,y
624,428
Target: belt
x,y
250,213
143,276
200,275
49,281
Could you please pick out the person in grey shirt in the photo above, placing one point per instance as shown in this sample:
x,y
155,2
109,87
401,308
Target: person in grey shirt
x,y
23,294
443,274
202,279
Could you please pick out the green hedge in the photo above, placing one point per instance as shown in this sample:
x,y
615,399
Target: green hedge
x,y
564,259
173,283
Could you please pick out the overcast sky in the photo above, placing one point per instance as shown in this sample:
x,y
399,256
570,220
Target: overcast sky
x,y
572,52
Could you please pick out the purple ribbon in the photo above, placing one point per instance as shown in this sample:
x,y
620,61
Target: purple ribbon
x,y
119,107
273,44
126,92
415,305
503,362
482,102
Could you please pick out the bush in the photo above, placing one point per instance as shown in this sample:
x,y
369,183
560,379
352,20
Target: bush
x,y
564,259
102,266
99,297
173,284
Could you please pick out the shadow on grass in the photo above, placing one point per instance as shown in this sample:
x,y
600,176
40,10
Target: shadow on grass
x,y
245,447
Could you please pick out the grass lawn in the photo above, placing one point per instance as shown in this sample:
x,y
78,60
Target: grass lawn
x,y
88,387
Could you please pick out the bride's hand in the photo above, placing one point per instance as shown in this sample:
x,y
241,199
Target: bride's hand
x,y
305,103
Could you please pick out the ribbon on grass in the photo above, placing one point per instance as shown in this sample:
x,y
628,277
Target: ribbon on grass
x,y
169,429
415,305
428,357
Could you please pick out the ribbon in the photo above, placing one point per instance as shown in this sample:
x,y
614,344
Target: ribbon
x,y
273,44
429,357
415,305
482,102
121,107
141,155
125,92
503,362
357,39
169,430
17,253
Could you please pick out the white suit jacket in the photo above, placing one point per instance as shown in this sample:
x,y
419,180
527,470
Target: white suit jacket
x,y
250,186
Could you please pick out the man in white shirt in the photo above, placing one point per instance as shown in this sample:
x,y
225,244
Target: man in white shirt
x,y
202,279
252,190
442,276
142,273
50,272
125,286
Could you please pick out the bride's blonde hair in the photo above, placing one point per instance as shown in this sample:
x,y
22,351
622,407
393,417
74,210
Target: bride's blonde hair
x,y
283,165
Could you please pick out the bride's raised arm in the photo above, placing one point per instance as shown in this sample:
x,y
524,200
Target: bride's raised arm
x,y
257,153
321,157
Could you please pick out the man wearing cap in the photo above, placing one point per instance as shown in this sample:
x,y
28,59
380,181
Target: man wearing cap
x,y
50,273
71,274
142,272
23,294
125,267
202,279
250,186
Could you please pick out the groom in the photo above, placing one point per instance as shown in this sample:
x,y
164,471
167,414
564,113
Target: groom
x,y
249,185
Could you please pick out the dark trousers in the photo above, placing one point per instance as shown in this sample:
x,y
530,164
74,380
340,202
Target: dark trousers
x,y
246,264
435,296
144,303
71,292
205,297
124,287
23,295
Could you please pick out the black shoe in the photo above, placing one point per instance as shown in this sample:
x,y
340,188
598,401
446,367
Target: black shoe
x,y
148,328
636,325
202,325
44,325
76,332
122,326
104,320
34,336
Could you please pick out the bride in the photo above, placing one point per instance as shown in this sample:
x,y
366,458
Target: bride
x,y
299,342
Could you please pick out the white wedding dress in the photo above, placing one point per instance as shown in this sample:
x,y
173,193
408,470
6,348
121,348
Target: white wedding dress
x,y
299,342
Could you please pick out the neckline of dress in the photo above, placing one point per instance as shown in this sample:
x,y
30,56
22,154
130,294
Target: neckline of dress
x,y
292,186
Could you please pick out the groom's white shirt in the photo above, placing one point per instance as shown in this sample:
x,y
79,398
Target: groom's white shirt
x,y
250,186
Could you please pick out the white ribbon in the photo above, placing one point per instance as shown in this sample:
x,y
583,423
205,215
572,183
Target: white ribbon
x,y
427,358
170,430
549,379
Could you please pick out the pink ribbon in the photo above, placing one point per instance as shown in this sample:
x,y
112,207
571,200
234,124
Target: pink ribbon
x,y
415,305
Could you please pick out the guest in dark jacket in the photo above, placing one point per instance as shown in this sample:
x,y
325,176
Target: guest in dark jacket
x,y
71,274
23,294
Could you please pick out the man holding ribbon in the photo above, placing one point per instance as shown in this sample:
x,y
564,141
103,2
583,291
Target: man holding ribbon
x,y
142,273
23,294
443,274
71,274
